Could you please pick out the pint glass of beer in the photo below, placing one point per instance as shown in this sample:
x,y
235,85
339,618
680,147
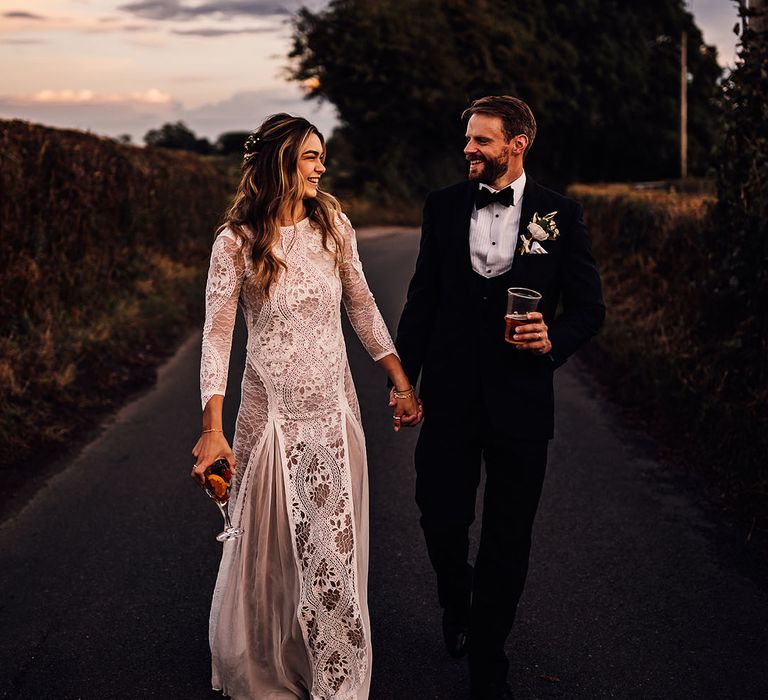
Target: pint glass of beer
x,y
519,302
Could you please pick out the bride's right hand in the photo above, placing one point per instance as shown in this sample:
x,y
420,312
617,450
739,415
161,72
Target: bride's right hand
x,y
208,449
407,412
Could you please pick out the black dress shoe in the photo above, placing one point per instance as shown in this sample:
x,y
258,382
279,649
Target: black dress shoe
x,y
494,692
454,634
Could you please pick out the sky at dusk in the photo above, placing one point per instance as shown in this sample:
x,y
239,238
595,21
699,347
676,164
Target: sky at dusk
x,y
125,66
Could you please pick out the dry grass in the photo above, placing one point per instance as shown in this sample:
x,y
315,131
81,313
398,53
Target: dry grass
x,y
104,249
367,212
655,262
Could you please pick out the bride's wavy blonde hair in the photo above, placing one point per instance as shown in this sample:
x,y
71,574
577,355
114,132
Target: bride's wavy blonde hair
x,y
270,182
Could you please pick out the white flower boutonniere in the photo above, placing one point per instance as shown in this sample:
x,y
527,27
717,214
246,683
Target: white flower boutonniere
x,y
540,228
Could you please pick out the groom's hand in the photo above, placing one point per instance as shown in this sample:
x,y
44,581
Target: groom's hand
x,y
533,335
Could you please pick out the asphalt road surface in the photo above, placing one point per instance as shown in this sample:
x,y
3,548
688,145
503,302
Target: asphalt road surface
x,y
635,590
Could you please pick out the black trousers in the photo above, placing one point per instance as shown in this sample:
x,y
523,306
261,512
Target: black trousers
x,y
448,463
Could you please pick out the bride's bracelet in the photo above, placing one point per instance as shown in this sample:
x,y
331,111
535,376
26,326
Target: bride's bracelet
x,y
406,394
213,430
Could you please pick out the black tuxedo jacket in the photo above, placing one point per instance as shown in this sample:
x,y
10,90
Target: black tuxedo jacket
x,y
452,327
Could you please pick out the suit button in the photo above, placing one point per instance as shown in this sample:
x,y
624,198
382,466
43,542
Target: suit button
x,y
485,298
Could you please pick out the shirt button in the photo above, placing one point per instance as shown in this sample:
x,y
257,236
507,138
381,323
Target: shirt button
x,y
493,242
487,270
497,216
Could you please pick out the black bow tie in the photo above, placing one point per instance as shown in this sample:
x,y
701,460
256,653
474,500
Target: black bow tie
x,y
484,197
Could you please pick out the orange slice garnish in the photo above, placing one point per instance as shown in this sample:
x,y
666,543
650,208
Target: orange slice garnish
x,y
218,485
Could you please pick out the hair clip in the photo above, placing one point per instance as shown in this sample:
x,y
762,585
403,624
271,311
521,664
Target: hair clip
x,y
252,144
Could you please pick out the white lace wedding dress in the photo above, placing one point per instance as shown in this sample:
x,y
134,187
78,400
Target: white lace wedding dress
x,y
289,617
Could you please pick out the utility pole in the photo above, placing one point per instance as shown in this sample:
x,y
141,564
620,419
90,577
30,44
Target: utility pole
x,y
683,106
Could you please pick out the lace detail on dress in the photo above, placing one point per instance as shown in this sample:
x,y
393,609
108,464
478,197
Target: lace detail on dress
x,y
251,425
359,302
351,394
321,508
225,276
297,383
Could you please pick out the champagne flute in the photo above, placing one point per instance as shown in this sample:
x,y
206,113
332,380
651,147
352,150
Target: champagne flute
x,y
218,483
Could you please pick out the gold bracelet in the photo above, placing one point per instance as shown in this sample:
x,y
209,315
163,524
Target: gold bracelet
x,y
213,430
406,394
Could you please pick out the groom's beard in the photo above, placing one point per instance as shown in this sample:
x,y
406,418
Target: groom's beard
x,y
492,169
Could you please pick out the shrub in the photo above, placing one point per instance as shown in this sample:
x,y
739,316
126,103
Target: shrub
x,y
104,249
668,353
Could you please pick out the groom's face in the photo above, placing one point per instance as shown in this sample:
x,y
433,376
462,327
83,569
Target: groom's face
x,y
487,149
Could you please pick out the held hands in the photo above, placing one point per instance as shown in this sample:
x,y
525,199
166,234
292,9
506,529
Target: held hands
x,y
407,409
408,412
533,335
208,449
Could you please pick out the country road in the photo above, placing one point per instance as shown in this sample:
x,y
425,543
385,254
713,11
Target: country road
x,y
634,589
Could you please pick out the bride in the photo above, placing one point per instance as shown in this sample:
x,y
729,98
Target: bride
x,y
289,617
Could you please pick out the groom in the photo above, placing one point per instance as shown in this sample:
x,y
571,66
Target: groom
x,y
484,397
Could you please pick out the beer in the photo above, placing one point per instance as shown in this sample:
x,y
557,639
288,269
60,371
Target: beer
x,y
520,302
513,321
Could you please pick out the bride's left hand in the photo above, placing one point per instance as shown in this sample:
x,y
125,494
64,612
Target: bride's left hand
x,y
408,412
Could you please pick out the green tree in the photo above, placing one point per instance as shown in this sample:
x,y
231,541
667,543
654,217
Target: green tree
x,y
615,112
601,76
738,279
231,142
177,136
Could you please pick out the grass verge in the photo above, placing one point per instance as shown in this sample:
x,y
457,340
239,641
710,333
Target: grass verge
x,y
657,353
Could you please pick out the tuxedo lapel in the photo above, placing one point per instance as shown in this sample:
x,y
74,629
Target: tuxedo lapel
x,y
461,222
462,214
529,205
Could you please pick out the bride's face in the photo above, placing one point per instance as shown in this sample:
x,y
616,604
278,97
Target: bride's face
x,y
311,166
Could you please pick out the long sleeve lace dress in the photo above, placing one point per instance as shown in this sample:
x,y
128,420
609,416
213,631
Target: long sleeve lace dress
x,y
289,616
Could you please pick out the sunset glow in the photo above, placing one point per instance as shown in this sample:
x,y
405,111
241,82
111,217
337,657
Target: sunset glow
x,y
116,66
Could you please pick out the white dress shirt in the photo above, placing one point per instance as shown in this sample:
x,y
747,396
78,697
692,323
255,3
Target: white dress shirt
x,y
493,233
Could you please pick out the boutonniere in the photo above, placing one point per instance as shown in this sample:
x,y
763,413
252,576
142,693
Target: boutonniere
x,y
540,228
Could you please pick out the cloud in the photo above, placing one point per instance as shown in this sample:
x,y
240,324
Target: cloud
x,y
27,23
23,15
136,113
104,29
80,97
245,110
222,32
179,9
110,119
22,42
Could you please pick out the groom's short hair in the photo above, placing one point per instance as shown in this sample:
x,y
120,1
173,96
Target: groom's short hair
x,y
516,116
